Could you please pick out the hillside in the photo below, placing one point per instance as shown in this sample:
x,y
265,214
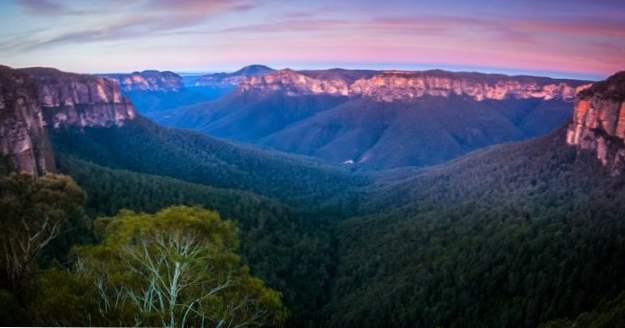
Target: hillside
x,y
289,253
511,236
379,135
145,147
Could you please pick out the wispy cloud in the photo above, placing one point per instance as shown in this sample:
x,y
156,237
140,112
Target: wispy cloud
x,y
547,35
145,19
200,6
441,24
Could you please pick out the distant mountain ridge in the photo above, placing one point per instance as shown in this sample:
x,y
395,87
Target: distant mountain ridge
x,y
232,79
404,85
152,90
382,119
149,80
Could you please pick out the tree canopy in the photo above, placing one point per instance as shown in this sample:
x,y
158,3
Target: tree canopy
x,y
177,267
33,211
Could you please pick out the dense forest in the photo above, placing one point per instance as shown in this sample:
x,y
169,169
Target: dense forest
x,y
177,267
291,254
145,147
280,249
510,236
516,235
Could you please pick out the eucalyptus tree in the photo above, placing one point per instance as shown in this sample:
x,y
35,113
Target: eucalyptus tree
x,y
178,267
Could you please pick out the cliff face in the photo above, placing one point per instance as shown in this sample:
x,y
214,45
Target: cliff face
x,y
599,122
23,138
77,100
223,80
148,81
403,85
33,100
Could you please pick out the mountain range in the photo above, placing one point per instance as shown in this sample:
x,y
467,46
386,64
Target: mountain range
x,y
380,119
516,234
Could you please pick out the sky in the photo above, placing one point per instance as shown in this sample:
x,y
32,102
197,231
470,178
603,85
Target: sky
x,y
561,38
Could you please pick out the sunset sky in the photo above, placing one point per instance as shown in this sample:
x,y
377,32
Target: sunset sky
x,y
569,38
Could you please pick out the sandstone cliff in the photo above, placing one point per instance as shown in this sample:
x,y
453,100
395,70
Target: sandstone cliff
x,y
599,122
79,100
388,86
148,81
33,100
23,138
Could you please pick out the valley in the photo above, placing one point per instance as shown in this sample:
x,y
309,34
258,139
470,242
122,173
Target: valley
x,y
508,234
380,119
331,164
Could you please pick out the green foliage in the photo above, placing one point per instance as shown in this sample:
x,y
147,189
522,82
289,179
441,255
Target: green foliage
x,y
34,211
176,267
291,254
62,298
145,147
511,236
607,315
290,249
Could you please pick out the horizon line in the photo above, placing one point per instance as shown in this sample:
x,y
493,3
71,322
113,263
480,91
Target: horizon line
x,y
363,66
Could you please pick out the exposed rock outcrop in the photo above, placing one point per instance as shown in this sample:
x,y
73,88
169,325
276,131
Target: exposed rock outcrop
x,y
224,80
150,80
33,100
80,100
599,122
388,86
23,138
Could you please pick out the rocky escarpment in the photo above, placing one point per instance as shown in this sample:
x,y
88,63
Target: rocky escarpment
x,y
23,138
149,80
223,80
80,100
599,122
389,86
34,100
